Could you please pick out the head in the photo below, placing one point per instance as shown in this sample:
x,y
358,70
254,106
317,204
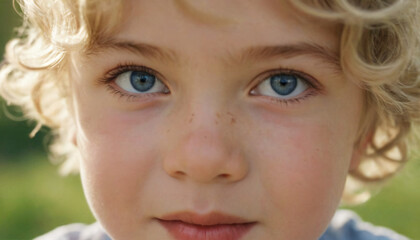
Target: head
x,y
261,110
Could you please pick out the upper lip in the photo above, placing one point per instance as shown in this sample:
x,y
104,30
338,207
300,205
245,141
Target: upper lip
x,y
213,218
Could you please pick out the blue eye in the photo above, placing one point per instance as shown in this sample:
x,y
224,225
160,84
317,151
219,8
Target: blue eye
x,y
140,82
283,86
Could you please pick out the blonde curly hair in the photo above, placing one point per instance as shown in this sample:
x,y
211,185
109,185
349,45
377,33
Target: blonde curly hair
x,y
380,50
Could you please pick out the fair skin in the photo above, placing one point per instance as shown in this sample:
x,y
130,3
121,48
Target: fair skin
x,y
214,136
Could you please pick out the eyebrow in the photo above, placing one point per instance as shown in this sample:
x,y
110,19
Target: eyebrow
x,y
256,53
291,50
144,49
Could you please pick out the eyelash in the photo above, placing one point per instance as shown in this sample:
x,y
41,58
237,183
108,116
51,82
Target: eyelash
x,y
314,86
111,75
288,102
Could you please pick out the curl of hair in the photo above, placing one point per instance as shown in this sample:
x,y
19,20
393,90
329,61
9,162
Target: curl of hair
x,y
35,73
380,49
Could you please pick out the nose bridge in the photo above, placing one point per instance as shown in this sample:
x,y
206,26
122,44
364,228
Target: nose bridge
x,y
203,148
204,118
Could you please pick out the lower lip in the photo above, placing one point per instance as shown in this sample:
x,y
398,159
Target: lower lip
x,y
184,231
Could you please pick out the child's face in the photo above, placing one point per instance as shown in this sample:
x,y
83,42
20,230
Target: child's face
x,y
245,113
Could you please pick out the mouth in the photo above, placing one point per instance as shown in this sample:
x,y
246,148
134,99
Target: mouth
x,y
213,226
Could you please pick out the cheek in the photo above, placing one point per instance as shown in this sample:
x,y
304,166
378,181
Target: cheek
x,y
310,157
302,169
118,152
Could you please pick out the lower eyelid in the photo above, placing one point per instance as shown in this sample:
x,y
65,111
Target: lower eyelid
x,y
287,102
130,97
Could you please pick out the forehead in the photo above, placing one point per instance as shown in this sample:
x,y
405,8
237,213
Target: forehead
x,y
187,32
214,24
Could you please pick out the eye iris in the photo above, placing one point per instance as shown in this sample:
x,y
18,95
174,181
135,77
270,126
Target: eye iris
x,y
142,81
283,84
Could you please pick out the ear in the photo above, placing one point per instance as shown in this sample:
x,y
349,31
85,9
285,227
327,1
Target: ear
x,y
360,150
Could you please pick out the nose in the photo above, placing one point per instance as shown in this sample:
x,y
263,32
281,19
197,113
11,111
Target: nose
x,y
205,151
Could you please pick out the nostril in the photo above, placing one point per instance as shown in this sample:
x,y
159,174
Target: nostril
x,y
179,173
224,175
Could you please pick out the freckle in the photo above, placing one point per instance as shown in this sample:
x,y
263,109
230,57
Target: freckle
x,y
218,115
232,118
191,119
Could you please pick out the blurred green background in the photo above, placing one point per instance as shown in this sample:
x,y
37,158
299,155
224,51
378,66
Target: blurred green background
x,y
34,199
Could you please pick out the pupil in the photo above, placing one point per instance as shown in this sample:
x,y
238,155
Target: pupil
x,y
142,81
283,84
